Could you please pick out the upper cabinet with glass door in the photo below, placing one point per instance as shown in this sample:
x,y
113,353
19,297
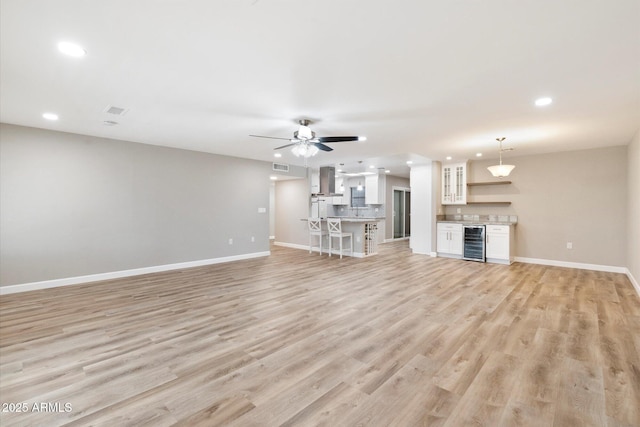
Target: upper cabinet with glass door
x,y
454,184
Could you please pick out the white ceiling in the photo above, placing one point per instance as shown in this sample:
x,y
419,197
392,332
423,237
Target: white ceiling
x,y
418,78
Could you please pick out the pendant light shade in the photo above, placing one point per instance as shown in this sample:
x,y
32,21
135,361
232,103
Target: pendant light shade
x,y
500,171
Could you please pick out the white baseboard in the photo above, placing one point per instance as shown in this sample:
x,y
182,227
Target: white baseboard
x,y
579,265
24,287
582,266
291,245
633,281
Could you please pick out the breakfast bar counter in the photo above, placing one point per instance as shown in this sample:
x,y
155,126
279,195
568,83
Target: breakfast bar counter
x,y
365,235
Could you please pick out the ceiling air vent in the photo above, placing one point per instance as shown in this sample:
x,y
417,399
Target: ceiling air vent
x,y
118,111
280,167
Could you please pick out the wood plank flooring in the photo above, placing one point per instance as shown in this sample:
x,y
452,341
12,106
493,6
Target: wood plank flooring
x,y
305,340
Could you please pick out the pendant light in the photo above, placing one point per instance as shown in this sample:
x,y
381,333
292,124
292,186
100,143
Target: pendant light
x,y
500,171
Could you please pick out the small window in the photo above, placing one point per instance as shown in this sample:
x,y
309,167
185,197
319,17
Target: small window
x,y
357,197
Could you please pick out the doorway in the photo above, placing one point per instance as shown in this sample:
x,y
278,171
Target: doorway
x,y
401,213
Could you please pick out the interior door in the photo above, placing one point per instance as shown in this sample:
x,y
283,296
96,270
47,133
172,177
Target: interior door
x,y
407,213
398,214
401,213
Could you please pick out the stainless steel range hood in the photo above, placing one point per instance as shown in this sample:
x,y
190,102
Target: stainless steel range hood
x,y
328,181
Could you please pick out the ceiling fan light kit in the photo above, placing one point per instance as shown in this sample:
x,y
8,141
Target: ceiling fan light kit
x,y
304,150
500,170
305,144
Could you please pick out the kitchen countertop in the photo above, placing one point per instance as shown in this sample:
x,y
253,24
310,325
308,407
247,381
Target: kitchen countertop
x,y
468,222
359,218
353,218
478,219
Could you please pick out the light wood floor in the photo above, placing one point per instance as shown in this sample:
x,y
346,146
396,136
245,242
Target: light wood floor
x,y
301,340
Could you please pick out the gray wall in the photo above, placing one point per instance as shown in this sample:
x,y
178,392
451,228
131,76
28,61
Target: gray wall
x,y
576,196
73,205
633,200
292,205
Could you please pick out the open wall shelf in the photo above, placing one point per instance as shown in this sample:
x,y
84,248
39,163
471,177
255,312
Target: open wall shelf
x,y
477,184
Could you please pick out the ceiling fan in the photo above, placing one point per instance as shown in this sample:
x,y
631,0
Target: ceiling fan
x,y
306,144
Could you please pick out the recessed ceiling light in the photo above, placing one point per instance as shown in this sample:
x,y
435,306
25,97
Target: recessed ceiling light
x,y
372,167
541,102
478,154
449,157
71,49
387,171
278,155
409,162
273,178
50,116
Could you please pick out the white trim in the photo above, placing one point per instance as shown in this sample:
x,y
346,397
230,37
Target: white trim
x,y
579,265
633,281
499,261
292,245
46,284
446,255
393,205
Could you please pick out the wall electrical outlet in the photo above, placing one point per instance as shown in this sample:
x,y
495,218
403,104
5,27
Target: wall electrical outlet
x,y
231,241
569,245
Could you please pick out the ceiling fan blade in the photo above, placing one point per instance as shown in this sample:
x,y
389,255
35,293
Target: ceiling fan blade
x,y
339,138
285,146
270,137
323,147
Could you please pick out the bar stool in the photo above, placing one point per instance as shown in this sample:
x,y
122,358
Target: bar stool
x,y
335,230
315,229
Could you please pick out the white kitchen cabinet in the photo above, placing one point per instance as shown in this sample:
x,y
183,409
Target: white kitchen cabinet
x,y
374,189
449,239
499,244
454,184
314,181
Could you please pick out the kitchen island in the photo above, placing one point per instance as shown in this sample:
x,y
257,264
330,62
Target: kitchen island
x,y
365,235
